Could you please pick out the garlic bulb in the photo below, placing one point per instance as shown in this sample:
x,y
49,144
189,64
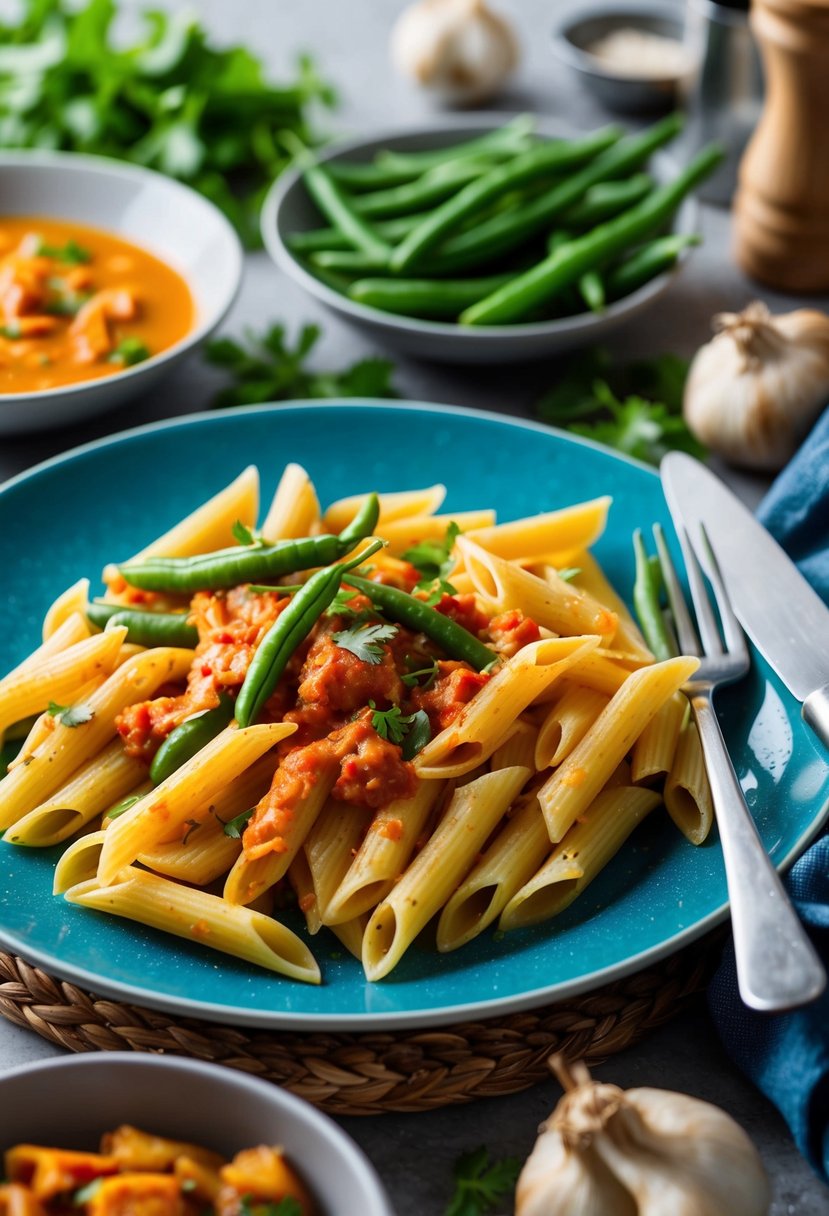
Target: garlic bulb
x,y
605,1151
755,389
460,48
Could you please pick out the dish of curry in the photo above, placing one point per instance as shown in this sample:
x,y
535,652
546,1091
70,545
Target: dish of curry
x,y
78,303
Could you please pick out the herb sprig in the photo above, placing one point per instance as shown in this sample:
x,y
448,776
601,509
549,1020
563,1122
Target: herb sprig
x,y
410,731
434,562
481,1183
365,641
267,367
71,715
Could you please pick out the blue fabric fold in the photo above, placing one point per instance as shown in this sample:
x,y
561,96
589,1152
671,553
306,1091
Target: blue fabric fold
x,y
787,1055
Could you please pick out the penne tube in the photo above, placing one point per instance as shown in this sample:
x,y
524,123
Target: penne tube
x,y
520,847
403,534
382,857
472,814
29,784
519,748
185,795
598,672
69,603
207,528
577,781
78,863
95,786
251,876
351,933
580,856
295,509
299,876
331,846
687,792
137,791
566,724
74,629
550,602
490,718
556,536
43,725
654,750
197,916
398,505
592,579
58,677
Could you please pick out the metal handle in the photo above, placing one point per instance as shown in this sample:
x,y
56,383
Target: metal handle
x,y
777,967
816,713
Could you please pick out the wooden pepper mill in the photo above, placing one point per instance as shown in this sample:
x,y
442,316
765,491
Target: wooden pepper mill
x,y
781,208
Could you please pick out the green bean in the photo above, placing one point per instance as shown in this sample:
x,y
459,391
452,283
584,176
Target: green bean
x,y
592,290
607,199
335,204
290,628
646,263
515,228
250,563
145,628
348,261
190,737
331,278
424,297
517,129
550,157
432,188
315,240
415,614
646,590
537,285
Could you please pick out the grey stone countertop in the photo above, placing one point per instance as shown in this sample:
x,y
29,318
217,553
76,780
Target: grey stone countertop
x,y
415,1153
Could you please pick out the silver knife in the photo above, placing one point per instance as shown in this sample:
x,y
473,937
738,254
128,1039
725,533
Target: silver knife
x,y
787,621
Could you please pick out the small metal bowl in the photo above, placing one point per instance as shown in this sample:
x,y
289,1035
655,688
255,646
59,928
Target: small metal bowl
x,y
627,94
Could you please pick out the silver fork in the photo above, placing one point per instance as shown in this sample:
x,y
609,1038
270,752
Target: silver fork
x,y
777,967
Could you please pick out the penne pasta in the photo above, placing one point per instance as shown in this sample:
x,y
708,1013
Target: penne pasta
x,y
566,723
489,719
472,814
592,579
400,504
519,748
331,846
186,794
295,509
556,536
654,750
550,602
78,863
580,856
687,792
404,534
599,673
575,783
208,920
71,602
70,631
299,876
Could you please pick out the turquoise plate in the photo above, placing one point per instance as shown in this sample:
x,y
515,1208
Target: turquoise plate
x,y
102,502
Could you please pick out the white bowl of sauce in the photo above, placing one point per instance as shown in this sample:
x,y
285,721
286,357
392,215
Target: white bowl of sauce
x,y
109,275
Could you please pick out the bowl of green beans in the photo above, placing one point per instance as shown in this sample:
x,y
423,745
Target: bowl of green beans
x,y
485,240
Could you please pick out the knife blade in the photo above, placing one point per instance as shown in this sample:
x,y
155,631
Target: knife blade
x,y
784,617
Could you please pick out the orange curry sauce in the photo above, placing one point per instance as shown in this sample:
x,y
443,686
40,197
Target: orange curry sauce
x,y
77,303
328,692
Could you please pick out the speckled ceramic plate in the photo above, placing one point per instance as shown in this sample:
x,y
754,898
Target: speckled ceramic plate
x,y
103,501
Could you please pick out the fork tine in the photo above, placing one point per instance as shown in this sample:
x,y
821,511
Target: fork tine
x,y
735,640
711,641
689,642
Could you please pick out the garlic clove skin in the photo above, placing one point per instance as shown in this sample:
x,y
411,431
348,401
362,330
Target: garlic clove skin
x,y
458,48
754,391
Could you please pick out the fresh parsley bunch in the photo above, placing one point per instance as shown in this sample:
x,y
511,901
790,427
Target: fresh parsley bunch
x,y
168,100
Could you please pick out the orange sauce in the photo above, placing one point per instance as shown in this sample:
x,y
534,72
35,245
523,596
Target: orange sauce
x,y
78,303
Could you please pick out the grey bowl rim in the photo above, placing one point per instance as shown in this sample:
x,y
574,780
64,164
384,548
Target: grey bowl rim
x,y
13,158
288,1104
590,65
579,326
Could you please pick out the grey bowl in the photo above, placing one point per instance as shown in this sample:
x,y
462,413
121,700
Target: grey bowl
x,y
71,1100
619,92
288,209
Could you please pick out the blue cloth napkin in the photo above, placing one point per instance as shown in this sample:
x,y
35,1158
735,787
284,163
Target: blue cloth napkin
x,y
787,1055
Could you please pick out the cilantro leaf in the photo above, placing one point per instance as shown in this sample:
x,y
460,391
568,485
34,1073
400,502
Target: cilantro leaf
x,y
480,1183
71,715
433,561
244,534
123,805
410,731
418,735
341,604
365,641
236,826
267,367
422,677
635,409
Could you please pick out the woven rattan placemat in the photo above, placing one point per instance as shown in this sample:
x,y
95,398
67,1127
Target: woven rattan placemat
x,y
366,1074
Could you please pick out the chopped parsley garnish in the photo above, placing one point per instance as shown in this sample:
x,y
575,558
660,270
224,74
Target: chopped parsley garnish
x,y
124,805
568,573
67,303
244,534
433,561
410,731
422,677
71,253
341,604
480,1183
129,351
71,715
365,641
236,826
